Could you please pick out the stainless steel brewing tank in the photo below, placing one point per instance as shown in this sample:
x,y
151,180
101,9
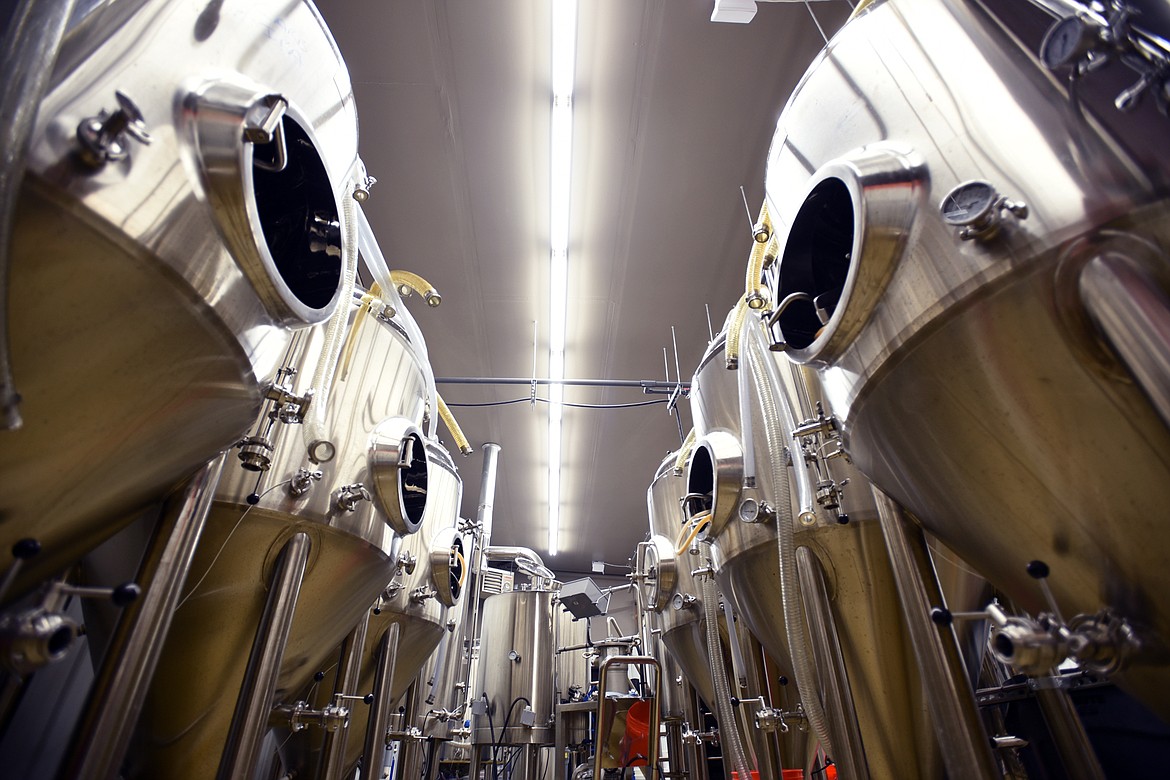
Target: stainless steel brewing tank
x,y
423,618
863,599
673,598
146,308
515,663
969,380
187,716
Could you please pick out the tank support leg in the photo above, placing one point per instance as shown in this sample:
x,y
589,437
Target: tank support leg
x,y
118,694
958,727
347,682
250,722
374,751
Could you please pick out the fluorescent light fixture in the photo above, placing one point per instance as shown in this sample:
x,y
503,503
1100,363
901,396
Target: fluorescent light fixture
x,y
564,58
734,11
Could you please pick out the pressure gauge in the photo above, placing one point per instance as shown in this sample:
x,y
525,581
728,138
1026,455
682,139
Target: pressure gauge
x,y
1065,42
974,208
969,203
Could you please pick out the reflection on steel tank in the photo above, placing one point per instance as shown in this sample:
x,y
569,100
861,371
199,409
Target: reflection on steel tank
x,y
182,213
360,512
974,262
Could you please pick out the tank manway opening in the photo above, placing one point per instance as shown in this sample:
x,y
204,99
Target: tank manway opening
x,y
298,214
414,481
700,484
816,261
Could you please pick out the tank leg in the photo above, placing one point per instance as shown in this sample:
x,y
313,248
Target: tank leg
x,y
255,703
107,724
965,747
374,751
347,682
827,649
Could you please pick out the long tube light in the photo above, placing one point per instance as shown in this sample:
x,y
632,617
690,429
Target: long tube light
x,y
564,58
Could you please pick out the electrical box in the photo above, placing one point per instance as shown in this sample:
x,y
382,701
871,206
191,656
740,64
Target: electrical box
x,y
582,598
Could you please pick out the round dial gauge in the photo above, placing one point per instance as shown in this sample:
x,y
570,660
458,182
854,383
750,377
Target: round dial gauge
x,y
1065,41
968,203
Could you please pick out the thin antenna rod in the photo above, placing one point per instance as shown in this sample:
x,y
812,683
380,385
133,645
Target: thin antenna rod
x,y
710,332
747,210
817,23
677,370
666,365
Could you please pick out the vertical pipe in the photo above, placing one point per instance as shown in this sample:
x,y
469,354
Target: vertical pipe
x,y
374,751
849,751
347,682
107,724
254,705
1080,762
29,51
953,711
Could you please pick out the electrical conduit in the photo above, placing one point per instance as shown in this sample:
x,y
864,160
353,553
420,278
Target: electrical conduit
x,y
728,725
778,419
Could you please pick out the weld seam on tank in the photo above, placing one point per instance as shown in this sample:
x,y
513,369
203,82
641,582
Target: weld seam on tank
x,y
767,378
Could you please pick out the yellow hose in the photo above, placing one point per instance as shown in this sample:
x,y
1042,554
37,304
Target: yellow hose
x,y
738,316
408,282
762,233
683,452
459,559
697,524
453,427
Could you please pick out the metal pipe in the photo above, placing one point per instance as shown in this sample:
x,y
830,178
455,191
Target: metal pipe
x,y
348,675
965,747
374,751
107,724
29,52
646,384
1133,311
826,646
487,490
1068,733
250,721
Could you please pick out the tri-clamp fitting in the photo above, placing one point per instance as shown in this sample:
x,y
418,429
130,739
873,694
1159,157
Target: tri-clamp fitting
x,y
301,716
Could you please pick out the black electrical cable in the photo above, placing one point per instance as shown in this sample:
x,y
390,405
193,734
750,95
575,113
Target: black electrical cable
x,y
504,727
631,760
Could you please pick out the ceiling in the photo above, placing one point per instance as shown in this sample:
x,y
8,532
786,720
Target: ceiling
x,y
673,113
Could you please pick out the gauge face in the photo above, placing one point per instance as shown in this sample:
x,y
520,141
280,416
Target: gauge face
x,y
968,203
1064,42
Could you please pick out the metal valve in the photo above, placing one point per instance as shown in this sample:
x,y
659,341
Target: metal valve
x,y
300,716
34,637
105,138
349,496
421,594
302,481
406,563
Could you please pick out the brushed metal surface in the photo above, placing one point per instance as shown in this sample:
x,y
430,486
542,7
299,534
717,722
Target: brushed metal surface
x,y
515,660
977,394
139,344
863,599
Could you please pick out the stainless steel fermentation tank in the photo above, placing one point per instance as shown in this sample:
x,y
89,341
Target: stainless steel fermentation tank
x,y
873,700
161,254
386,480
673,596
987,250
